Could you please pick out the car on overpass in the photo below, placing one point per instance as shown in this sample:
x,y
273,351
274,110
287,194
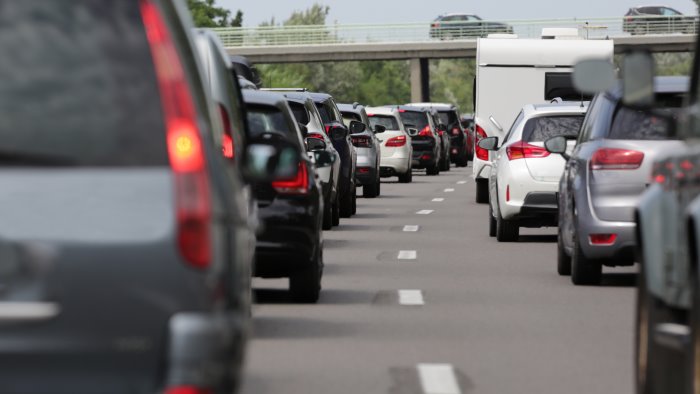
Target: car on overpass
x,y
455,26
658,19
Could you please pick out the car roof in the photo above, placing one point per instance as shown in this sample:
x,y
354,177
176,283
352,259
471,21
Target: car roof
x,y
392,111
318,96
354,108
263,98
411,108
438,106
565,107
455,14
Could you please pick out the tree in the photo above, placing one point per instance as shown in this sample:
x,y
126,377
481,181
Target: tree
x,y
205,13
697,3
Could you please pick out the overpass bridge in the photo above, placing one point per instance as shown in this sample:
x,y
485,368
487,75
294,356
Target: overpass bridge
x,y
418,42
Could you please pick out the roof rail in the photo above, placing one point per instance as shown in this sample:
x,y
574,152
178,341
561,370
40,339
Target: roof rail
x,y
286,89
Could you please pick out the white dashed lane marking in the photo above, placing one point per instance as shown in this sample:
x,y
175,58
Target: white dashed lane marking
x,y
407,255
411,297
449,190
461,182
411,228
438,199
438,379
425,212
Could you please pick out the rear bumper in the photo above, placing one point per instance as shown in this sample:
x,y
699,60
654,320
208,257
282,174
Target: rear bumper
x,y
620,253
424,159
365,175
539,209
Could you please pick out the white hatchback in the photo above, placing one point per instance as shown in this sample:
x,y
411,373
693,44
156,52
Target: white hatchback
x,y
396,149
524,180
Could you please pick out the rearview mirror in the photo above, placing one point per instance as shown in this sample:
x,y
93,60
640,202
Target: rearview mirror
x,y
357,127
379,129
270,160
304,130
324,158
594,76
489,143
638,79
557,145
314,144
337,132
412,132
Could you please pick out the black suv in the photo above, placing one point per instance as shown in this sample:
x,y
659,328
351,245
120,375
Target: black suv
x,y
425,140
658,20
451,26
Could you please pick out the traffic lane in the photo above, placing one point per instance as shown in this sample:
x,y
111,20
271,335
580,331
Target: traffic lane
x,y
497,312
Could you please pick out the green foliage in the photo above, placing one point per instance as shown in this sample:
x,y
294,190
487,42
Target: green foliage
x,y
316,15
205,13
451,81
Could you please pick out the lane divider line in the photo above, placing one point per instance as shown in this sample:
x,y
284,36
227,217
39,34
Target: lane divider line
x,y
411,297
438,379
425,212
438,199
407,255
411,228
449,190
461,182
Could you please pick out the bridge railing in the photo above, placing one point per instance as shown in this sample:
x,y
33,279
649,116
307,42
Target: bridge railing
x,y
432,31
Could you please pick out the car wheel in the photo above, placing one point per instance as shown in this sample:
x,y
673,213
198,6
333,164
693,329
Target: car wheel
x,y
305,286
464,161
434,170
346,205
379,187
482,191
406,177
336,211
492,223
584,271
327,216
563,259
506,230
354,199
445,166
371,190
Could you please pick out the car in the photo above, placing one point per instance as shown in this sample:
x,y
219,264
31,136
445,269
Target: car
x,y
525,177
425,140
453,26
467,122
367,147
449,116
290,209
604,177
441,130
125,236
306,113
244,69
658,19
396,147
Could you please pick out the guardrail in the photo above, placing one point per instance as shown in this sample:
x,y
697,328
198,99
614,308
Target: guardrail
x,y
430,31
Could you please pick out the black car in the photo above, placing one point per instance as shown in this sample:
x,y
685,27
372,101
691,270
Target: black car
x,y
467,122
425,140
333,120
244,69
658,20
451,26
449,116
290,210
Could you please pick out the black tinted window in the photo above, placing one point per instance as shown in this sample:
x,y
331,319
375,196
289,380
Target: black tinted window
x,y
389,122
418,120
630,124
325,113
77,85
349,117
265,119
545,127
561,85
299,112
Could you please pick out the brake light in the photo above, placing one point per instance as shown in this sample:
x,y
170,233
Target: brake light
x,y
455,131
481,153
328,128
361,141
185,149
441,133
298,184
602,239
317,136
226,139
523,150
425,132
363,170
396,141
616,159
187,390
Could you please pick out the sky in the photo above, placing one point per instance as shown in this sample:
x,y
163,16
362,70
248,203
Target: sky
x,y
406,11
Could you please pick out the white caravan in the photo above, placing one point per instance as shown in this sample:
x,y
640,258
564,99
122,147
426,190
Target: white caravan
x,y
511,73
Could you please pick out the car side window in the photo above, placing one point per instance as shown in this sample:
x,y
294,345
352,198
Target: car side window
x,y
335,111
587,126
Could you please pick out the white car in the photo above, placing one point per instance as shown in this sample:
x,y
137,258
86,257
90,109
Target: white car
x,y
524,179
396,149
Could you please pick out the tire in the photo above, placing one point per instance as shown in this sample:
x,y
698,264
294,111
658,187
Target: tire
x,y
563,259
327,223
584,271
492,223
464,161
354,199
336,211
506,230
406,177
434,170
445,164
482,191
371,191
379,186
305,286
346,205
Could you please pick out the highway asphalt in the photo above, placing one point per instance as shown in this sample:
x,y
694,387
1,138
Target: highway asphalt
x,y
441,308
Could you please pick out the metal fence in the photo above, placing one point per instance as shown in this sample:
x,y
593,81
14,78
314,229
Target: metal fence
x,y
432,31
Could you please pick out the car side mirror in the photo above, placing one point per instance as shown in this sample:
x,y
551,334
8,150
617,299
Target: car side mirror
x,y
412,131
268,160
379,129
488,143
557,145
304,130
324,158
337,133
357,127
314,144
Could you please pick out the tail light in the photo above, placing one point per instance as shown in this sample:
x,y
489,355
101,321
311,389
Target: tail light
x,y
328,128
455,131
363,170
314,135
523,150
396,141
361,141
616,159
425,132
298,184
602,239
441,133
183,140
481,153
226,139
187,390
435,25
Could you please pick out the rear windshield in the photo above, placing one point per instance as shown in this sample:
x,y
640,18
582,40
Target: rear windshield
x,y
78,86
418,120
561,85
545,127
299,112
448,118
267,119
389,122
631,124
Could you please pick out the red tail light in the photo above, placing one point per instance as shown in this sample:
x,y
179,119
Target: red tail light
x,y
523,150
455,131
317,136
226,139
328,128
361,141
616,159
187,390
441,133
425,132
396,141
602,239
363,170
481,153
299,184
184,144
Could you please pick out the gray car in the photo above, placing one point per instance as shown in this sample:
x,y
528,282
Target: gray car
x,y
602,181
368,149
123,225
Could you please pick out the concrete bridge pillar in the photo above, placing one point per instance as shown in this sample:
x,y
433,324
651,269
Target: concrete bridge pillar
x,y
420,80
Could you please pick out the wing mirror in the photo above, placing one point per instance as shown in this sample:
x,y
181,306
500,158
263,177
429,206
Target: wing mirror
x,y
558,146
357,127
489,143
324,158
337,132
412,131
314,144
267,160
379,129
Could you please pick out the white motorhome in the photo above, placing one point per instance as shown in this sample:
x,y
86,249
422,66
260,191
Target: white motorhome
x,y
511,73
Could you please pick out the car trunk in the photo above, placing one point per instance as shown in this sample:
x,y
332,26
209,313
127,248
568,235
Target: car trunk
x,y
544,167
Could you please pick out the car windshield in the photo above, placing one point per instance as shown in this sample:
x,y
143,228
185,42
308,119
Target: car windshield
x,y
632,124
544,127
267,119
418,120
388,121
